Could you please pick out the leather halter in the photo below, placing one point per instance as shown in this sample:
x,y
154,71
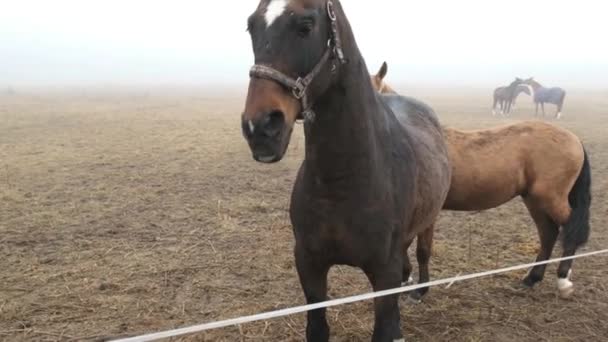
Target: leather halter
x,y
299,86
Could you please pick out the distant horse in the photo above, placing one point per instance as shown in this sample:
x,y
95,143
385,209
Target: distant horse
x,y
372,179
522,88
544,95
544,164
505,97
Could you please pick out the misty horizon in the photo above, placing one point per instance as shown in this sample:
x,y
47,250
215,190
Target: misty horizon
x,y
70,43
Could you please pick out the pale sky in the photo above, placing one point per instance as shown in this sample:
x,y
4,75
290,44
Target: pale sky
x,y
191,42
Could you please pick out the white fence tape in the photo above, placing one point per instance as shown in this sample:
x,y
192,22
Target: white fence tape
x,y
341,301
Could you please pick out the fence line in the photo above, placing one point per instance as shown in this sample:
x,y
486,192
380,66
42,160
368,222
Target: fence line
x,y
341,301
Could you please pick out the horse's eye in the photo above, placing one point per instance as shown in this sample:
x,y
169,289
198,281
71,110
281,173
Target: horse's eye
x,y
305,28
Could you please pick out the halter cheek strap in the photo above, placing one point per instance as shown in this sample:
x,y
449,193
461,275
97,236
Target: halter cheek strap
x,y
299,86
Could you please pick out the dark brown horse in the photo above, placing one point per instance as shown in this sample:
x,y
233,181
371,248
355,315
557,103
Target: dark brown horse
x,y
505,96
545,165
522,88
371,180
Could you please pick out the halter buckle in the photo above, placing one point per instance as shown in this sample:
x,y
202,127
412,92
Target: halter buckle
x,y
299,89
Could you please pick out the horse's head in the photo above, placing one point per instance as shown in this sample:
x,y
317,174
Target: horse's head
x,y
524,88
378,81
378,78
515,83
531,82
295,44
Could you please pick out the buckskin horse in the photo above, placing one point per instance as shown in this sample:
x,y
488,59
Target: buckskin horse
x,y
544,164
544,95
371,180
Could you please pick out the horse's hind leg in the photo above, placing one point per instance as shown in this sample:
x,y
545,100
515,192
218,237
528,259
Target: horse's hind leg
x,y
547,231
564,271
559,108
423,255
557,206
386,309
313,277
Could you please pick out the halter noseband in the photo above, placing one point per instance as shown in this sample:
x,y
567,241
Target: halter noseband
x,y
299,86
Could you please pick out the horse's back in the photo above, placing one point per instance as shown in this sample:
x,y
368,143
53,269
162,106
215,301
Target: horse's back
x,y
551,95
412,112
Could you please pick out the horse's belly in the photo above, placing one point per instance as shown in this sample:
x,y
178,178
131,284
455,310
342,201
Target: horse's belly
x,y
481,194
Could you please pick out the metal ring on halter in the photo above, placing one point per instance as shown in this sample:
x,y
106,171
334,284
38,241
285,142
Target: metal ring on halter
x,y
299,89
330,11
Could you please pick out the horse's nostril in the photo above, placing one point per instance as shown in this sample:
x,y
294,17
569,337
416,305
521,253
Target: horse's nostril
x,y
273,123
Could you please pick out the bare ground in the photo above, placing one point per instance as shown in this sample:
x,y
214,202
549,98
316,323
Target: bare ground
x,y
130,213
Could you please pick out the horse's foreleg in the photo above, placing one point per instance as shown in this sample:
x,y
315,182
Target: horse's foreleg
x,y
313,278
542,105
423,255
547,231
386,309
536,112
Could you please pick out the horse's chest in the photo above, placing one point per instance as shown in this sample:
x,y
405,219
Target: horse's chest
x,y
344,232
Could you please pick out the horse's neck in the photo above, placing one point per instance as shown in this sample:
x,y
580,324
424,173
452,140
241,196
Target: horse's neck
x,y
511,88
344,139
536,85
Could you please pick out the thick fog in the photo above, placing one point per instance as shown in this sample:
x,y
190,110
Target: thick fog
x,y
201,42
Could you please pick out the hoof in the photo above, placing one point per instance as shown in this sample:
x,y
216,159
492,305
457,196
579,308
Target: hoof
x,y
412,301
529,281
410,281
565,287
416,296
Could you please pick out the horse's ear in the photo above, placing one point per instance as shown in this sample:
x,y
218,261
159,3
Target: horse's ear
x,y
383,70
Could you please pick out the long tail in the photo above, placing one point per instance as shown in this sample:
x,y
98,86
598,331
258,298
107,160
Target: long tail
x,y
577,228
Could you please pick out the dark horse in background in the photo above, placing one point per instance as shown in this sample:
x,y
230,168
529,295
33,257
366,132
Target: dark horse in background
x,y
505,96
522,88
544,95
372,179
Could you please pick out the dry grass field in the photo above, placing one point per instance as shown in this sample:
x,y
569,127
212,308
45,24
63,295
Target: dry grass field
x,y
131,212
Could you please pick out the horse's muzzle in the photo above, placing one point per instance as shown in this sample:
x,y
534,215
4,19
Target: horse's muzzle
x,y
267,136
